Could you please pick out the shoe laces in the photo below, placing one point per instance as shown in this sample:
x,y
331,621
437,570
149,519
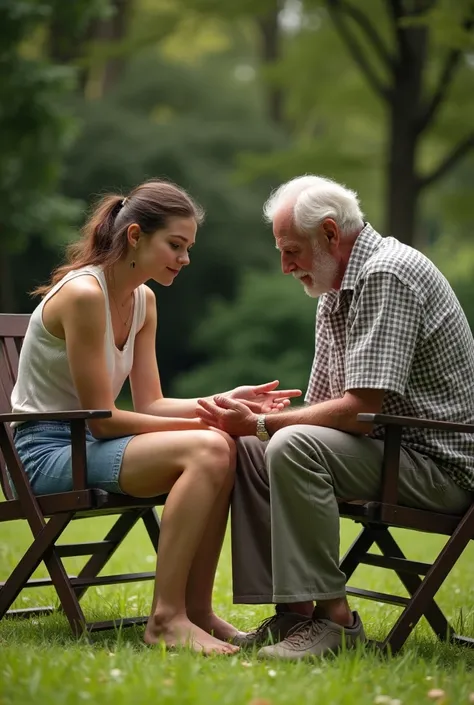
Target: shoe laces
x,y
303,634
264,626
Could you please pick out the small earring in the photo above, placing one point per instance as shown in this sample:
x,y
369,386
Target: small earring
x,y
132,264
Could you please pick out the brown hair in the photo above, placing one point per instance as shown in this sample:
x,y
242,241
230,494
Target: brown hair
x,y
104,241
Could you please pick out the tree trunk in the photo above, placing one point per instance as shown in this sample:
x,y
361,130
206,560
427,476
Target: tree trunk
x,y
403,185
402,182
7,294
112,31
270,53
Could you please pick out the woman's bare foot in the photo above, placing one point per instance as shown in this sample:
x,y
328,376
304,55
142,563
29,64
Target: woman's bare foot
x,y
179,631
212,624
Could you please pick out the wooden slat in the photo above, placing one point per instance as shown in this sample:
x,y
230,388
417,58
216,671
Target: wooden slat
x,y
378,596
398,564
50,504
86,503
57,415
93,581
13,325
391,464
410,422
6,380
400,517
87,548
27,612
116,623
12,356
4,404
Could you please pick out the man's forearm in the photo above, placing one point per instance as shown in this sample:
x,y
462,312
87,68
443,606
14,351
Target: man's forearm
x,y
340,414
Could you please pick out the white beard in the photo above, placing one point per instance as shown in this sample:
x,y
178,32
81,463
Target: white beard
x,y
322,274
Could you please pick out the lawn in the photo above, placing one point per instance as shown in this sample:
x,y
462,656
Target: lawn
x,y
41,663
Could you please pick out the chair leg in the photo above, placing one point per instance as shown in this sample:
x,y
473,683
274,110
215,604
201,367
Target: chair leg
x,y
435,617
423,596
117,533
67,596
43,542
356,551
42,548
152,524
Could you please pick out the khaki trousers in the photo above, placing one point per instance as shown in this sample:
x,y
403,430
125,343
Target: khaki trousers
x,y
285,519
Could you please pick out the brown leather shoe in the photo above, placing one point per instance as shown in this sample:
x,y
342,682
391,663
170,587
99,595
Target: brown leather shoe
x,y
271,631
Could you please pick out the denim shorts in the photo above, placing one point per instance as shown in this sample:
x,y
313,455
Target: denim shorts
x,y
45,451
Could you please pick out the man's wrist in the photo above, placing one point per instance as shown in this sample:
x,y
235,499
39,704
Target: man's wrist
x,y
261,430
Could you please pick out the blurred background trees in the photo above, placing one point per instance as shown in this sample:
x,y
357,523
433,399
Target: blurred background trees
x,y
229,99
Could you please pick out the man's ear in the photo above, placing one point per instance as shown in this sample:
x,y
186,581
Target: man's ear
x,y
331,232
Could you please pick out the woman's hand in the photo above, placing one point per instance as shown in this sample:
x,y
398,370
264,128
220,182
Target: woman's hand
x,y
263,398
229,415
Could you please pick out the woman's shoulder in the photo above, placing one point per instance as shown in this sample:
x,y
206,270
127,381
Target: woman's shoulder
x,y
149,294
85,287
81,298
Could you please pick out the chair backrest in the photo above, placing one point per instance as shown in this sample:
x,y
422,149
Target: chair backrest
x,y
12,331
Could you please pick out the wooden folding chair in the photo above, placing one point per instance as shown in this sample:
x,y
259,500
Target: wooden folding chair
x,y
377,518
49,515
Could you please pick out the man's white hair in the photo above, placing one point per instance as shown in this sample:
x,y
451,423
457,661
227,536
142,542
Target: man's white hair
x,y
314,198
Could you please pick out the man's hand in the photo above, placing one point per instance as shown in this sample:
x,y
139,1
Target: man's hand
x,y
228,415
264,398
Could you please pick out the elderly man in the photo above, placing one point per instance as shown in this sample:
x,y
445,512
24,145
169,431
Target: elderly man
x,y
391,337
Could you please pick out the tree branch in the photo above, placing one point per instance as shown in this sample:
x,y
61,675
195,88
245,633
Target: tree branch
x,y
395,9
459,151
336,12
369,30
445,79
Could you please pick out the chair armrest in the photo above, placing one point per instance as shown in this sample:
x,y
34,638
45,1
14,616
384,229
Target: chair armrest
x,y
409,421
56,416
392,446
77,419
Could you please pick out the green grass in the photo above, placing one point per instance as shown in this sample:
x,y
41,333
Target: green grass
x,y
40,662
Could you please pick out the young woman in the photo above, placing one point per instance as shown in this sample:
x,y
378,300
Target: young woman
x,y
96,326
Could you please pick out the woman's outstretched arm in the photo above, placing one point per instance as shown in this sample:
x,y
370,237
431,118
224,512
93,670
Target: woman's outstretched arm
x,y
146,387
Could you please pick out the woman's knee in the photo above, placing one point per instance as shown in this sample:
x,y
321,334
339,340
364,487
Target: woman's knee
x,y
231,445
214,454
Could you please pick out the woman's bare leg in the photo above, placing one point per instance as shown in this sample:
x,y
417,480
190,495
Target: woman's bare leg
x,y
193,467
203,570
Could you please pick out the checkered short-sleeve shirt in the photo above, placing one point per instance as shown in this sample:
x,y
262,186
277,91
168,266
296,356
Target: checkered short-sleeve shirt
x,y
396,324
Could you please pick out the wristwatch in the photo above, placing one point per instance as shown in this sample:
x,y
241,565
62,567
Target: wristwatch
x,y
262,433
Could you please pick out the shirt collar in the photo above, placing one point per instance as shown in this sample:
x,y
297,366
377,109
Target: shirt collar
x,y
367,242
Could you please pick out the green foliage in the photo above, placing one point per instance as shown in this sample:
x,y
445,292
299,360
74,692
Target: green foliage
x,y
34,132
187,123
266,333
190,102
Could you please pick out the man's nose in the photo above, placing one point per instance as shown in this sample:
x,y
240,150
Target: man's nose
x,y
287,264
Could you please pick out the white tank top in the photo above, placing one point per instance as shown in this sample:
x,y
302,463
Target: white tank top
x,y
44,380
